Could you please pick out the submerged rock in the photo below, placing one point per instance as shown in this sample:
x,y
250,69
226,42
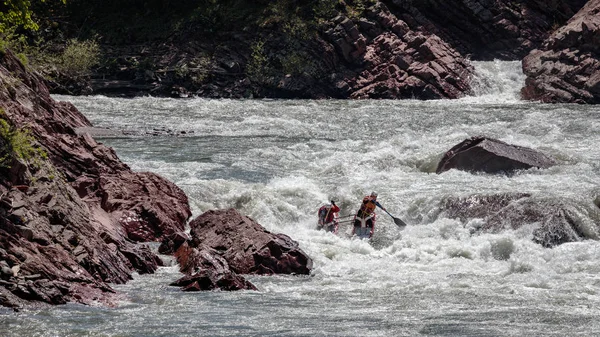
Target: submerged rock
x,y
482,154
554,221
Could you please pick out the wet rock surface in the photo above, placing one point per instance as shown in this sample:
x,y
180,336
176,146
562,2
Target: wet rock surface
x,y
488,155
206,269
70,214
225,244
246,246
552,221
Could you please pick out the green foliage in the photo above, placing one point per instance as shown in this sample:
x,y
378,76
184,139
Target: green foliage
x,y
258,65
296,63
9,39
28,52
18,143
18,13
79,57
325,10
196,70
356,8
297,21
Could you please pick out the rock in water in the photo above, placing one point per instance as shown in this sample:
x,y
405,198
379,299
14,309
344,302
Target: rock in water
x,y
482,154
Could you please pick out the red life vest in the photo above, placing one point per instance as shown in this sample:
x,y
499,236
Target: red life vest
x,y
327,213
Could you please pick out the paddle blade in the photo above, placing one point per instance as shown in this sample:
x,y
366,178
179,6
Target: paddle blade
x,y
399,222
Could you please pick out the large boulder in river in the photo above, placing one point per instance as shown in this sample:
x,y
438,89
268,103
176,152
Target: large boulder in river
x,y
247,247
566,68
553,221
482,154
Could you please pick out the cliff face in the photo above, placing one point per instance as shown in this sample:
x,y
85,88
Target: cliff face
x,y
487,29
391,49
70,211
566,68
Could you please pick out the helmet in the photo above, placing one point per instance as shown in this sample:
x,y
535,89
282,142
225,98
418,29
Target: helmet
x,y
373,194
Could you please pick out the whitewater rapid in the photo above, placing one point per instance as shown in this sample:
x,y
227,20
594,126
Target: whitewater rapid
x,y
277,161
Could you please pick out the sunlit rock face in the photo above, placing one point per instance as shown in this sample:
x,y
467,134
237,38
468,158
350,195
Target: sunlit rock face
x,y
225,244
385,58
488,155
63,211
246,246
566,68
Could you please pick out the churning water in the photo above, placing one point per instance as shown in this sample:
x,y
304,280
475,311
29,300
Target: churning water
x,y
277,161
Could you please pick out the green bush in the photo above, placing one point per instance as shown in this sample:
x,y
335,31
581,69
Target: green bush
x,y
79,57
258,66
18,143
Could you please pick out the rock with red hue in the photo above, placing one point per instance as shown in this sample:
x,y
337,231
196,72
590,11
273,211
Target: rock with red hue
x,y
389,60
246,246
484,29
566,68
206,269
359,49
146,204
482,154
208,280
171,243
68,214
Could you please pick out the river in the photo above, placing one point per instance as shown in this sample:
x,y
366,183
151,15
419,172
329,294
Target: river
x,y
277,161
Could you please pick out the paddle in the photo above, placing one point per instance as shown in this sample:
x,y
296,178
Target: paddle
x,y
397,221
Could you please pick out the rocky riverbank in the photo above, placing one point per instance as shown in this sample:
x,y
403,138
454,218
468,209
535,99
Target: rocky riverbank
x,y
388,49
74,218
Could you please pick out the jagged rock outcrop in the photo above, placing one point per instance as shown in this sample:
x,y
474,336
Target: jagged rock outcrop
x,y
246,246
386,59
156,206
206,269
566,68
69,213
555,221
482,154
377,49
487,29
376,56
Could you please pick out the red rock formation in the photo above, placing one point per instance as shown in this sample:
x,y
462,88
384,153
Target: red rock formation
x,y
566,69
206,269
389,60
66,222
246,246
485,29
